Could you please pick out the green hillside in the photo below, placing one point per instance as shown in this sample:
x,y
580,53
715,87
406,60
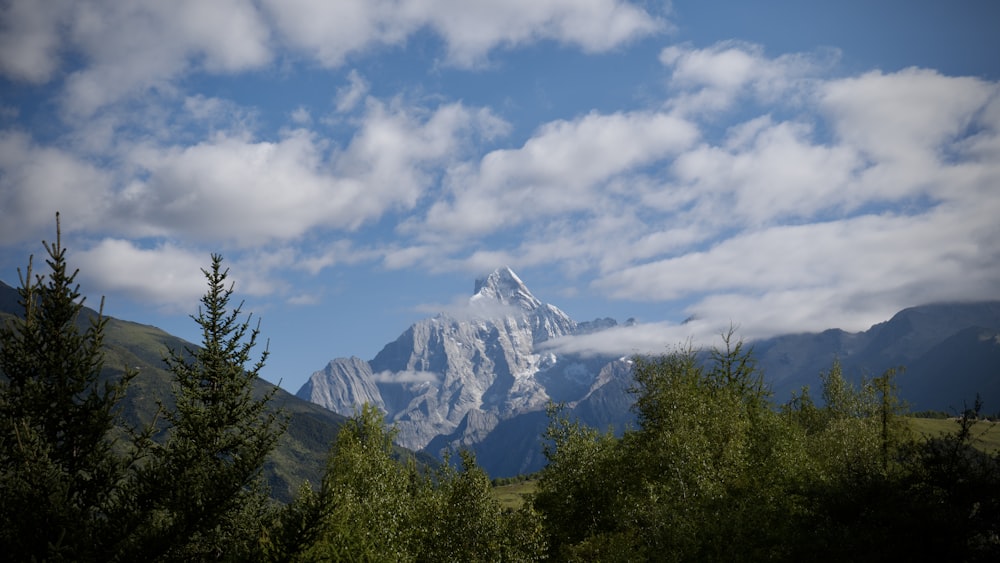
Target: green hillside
x,y
301,452
985,434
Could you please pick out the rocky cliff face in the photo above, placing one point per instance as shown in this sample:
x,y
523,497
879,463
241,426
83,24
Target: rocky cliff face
x,y
453,378
481,378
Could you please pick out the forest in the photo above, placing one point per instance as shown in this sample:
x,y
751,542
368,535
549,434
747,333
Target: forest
x,y
715,470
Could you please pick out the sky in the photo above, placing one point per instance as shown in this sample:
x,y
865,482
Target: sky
x,y
780,166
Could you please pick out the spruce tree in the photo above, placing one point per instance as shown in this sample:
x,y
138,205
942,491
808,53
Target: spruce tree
x,y
63,479
211,495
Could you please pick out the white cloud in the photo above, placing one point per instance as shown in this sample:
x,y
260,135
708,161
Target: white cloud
x,y
640,338
166,275
464,308
397,150
410,376
38,181
561,169
29,38
332,31
235,189
248,192
128,47
348,97
905,116
853,272
472,29
769,171
781,225
131,48
301,116
712,79
169,276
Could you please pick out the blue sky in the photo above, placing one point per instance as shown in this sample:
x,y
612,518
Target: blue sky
x,y
782,165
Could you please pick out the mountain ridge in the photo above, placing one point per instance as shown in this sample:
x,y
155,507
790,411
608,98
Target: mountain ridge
x,y
950,351
301,452
455,376
476,379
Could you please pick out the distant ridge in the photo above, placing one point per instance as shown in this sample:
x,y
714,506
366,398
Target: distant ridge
x,y
300,454
478,380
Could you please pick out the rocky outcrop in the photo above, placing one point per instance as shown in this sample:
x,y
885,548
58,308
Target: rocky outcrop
x,y
481,378
453,378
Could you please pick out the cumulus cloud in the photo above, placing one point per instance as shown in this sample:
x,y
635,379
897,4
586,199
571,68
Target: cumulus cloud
x,y
561,169
332,31
132,47
37,181
876,193
169,276
129,48
767,171
30,40
905,116
247,192
236,189
165,275
472,29
802,277
712,79
780,221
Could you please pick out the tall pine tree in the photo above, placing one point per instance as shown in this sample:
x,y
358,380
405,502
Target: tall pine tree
x,y
211,495
63,479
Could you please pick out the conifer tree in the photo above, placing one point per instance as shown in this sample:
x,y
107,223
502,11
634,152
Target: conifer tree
x,y
212,499
64,482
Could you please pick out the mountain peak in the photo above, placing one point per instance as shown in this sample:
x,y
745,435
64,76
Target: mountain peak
x,y
504,286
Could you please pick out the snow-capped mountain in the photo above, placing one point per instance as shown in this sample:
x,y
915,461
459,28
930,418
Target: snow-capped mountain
x,y
452,379
480,377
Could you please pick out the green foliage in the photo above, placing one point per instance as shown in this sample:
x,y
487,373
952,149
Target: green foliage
x,y
64,482
709,457
206,483
579,487
373,507
716,473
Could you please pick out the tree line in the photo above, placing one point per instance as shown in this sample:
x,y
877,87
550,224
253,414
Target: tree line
x,y
714,471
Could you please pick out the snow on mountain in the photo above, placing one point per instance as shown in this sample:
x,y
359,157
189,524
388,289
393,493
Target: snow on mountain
x,y
454,377
476,377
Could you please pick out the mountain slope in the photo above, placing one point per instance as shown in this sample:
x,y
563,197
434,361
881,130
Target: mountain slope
x,y
301,452
451,380
917,339
477,379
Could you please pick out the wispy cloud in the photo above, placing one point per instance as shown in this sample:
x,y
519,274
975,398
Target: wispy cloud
x,y
411,376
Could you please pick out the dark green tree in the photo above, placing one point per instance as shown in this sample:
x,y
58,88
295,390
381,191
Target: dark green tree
x,y
206,484
582,491
66,468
